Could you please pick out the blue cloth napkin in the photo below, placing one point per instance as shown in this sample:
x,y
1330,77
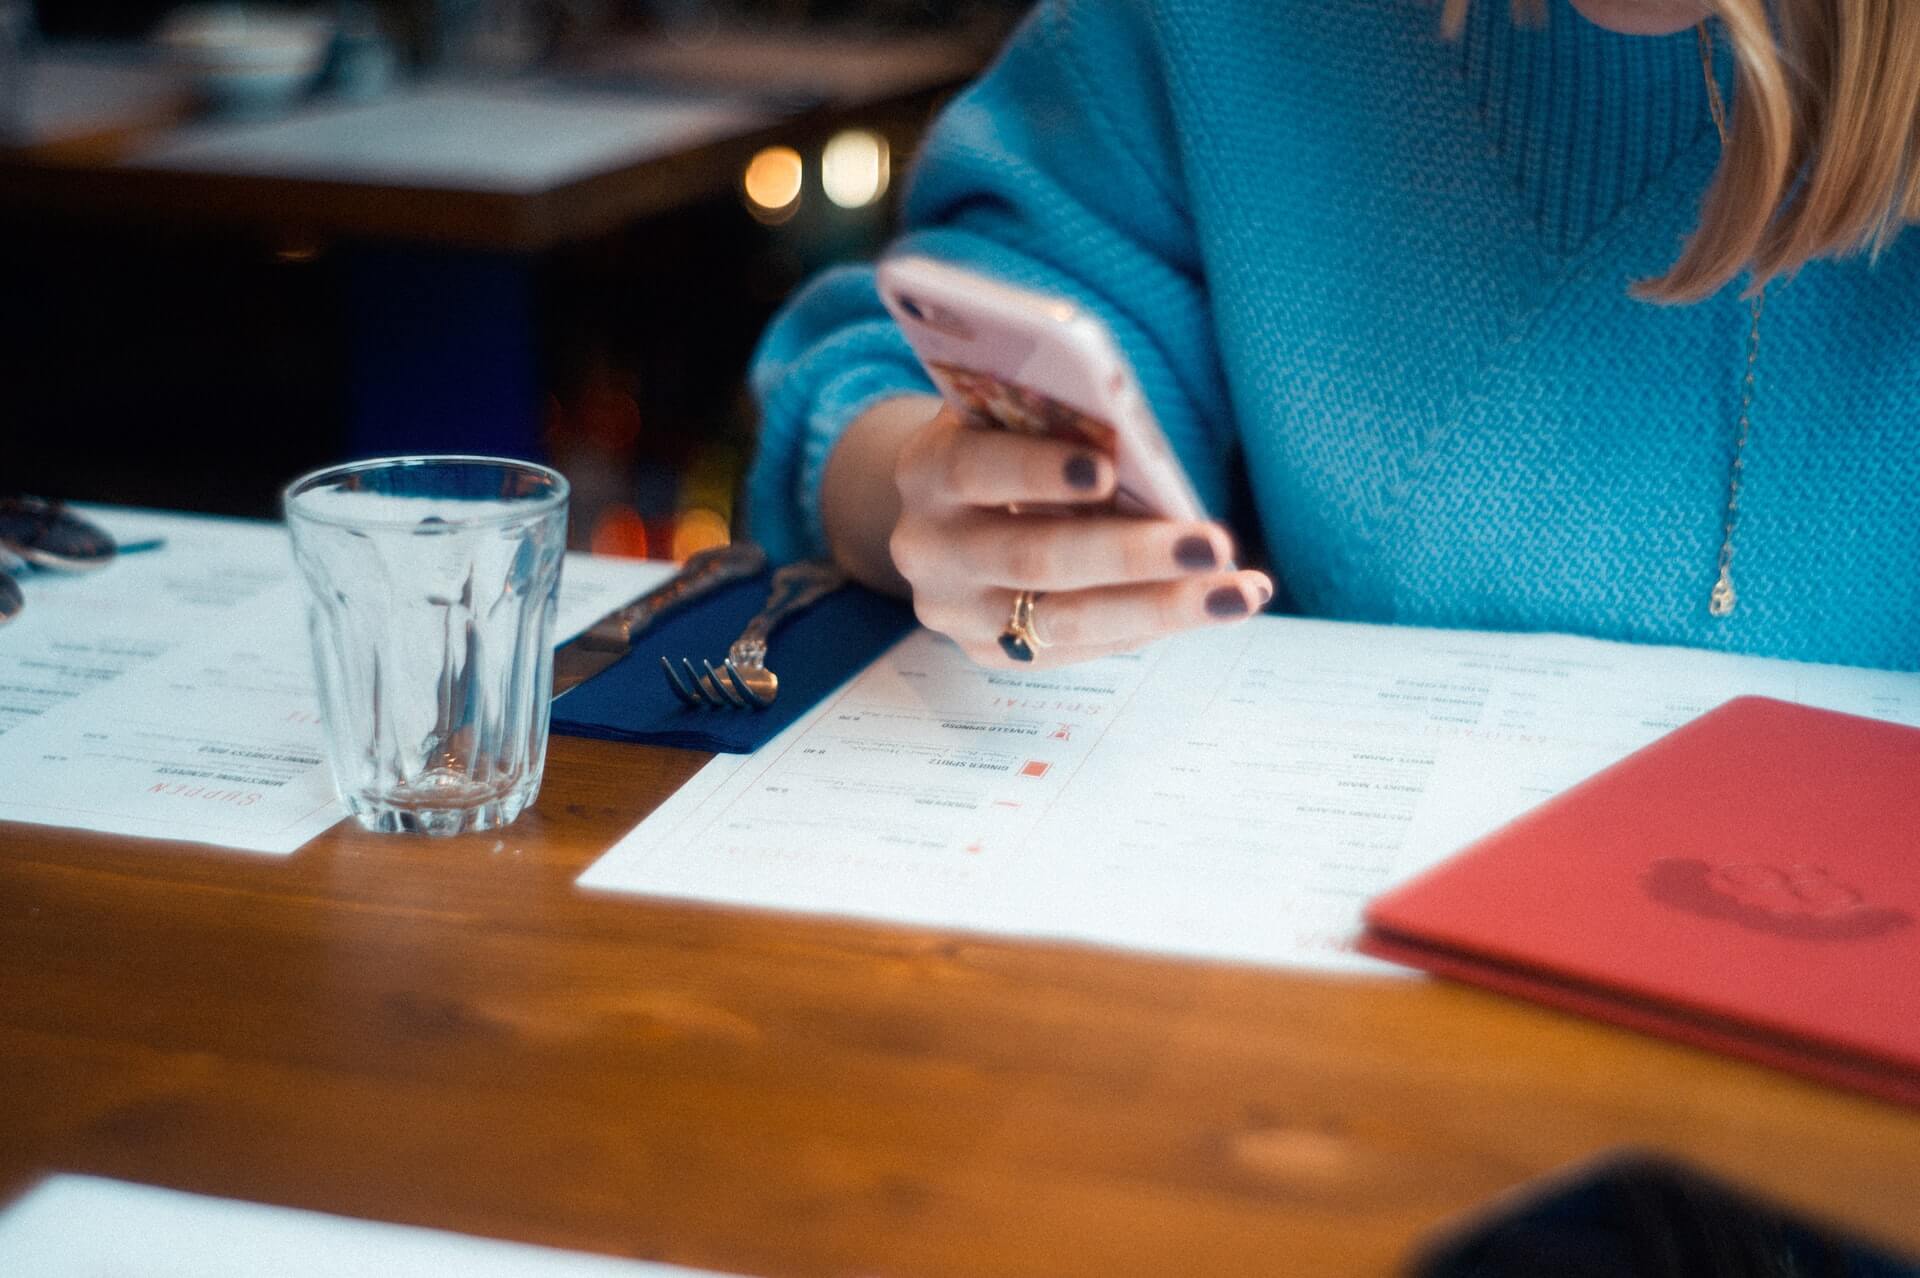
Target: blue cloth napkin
x,y
813,654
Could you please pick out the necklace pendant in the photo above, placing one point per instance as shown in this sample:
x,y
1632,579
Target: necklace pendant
x,y
1721,602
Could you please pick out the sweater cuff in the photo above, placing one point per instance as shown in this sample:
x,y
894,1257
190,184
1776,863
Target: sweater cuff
x,y
791,525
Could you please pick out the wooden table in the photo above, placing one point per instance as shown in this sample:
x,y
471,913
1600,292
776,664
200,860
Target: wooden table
x,y
447,1033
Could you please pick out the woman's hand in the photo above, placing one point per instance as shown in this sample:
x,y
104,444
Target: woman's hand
x,y
1108,583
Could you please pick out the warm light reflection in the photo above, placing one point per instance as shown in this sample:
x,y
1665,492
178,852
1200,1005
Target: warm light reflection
x,y
619,531
772,182
854,168
699,529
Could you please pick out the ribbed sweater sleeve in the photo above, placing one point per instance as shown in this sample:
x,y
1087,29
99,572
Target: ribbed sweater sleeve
x,y
1058,170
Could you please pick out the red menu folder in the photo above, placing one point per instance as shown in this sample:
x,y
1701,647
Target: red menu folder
x,y
1749,882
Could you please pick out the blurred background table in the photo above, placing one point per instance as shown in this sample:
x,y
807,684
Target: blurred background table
x,y
447,1033
523,162
568,262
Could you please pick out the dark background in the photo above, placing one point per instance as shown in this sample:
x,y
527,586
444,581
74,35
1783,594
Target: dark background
x,y
199,368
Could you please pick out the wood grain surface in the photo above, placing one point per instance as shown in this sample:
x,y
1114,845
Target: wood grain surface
x,y
448,1033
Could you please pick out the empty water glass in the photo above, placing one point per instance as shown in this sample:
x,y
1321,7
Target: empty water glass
x,y
432,584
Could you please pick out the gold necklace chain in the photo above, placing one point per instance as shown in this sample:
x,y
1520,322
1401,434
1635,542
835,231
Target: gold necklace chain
x,y
1721,602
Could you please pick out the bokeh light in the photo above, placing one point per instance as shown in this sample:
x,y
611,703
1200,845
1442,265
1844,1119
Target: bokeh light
x,y
619,531
854,168
699,529
772,183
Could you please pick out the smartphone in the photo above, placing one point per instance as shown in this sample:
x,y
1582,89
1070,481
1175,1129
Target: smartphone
x,y
1011,359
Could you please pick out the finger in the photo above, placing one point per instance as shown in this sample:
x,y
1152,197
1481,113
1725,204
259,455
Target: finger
x,y
1079,625
1128,615
960,465
1034,552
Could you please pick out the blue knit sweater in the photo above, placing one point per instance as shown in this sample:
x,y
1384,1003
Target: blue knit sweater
x,y
1387,274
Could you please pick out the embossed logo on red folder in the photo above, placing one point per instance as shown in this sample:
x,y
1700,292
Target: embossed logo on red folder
x,y
1804,902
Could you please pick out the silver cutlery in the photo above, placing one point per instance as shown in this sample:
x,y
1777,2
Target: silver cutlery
x,y
37,535
611,638
742,681
48,535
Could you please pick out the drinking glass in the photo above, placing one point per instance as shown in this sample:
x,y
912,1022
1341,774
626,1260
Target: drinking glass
x,y
431,590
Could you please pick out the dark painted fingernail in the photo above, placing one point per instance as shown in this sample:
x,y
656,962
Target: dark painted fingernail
x,y
1081,472
1227,601
1195,552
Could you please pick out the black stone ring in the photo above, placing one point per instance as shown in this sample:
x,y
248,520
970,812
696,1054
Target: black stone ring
x,y
1020,640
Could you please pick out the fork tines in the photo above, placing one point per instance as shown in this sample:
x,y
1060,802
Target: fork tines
x,y
721,687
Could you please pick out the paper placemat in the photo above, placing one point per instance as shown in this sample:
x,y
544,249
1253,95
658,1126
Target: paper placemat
x,y
88,1227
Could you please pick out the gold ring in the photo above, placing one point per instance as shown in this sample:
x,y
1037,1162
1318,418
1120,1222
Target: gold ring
x,y
1021,639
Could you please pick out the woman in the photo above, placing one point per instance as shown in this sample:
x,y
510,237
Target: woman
x,y
1503,330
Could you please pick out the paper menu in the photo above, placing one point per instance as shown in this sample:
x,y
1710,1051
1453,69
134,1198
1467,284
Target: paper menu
x,y
86,1227
1233,794
80,631
170,694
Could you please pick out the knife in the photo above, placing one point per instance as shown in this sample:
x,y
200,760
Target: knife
x,y
609,639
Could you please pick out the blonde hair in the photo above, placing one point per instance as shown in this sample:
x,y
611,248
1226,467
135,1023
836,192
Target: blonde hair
x,y
1823,150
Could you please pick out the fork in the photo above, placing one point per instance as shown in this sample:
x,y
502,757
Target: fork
x,y
742,681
